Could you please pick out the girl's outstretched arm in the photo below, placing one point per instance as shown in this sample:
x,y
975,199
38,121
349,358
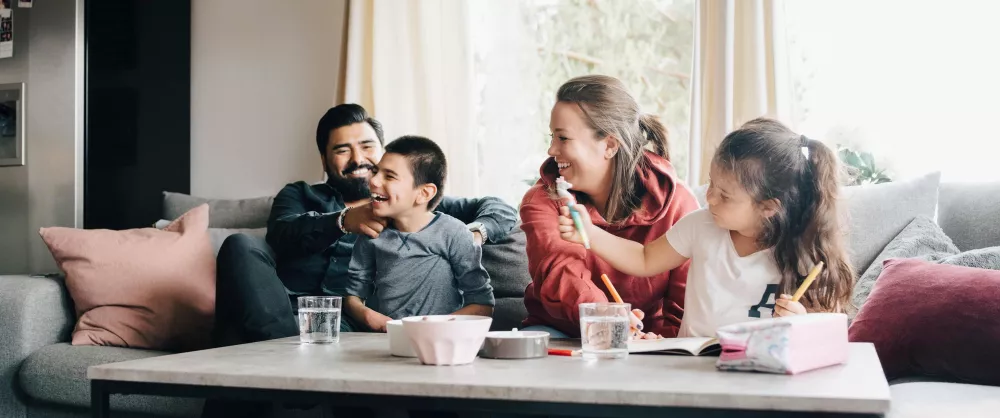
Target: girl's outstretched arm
x,y
626,256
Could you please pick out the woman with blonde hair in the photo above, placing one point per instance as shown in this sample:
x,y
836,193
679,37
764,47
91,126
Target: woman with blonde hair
x,y
617,160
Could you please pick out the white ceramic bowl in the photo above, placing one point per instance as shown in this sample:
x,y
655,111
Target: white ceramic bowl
x,y
399,343
447,340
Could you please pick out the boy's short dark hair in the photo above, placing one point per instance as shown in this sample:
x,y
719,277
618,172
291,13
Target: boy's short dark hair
x,y
340,116
427,162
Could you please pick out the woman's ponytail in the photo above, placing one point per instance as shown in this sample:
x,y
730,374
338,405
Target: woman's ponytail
x,y
656,134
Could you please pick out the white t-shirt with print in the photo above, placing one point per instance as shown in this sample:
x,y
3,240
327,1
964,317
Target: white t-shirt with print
x,y
722,287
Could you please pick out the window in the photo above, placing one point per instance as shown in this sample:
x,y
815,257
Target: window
x,y
524,53
914,83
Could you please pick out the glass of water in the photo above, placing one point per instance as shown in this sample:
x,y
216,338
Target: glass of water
x,y
319,319
604,329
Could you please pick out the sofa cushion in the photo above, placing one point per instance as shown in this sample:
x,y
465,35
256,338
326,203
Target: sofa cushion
x,y
223,213
58,374
934,320
34,312
940,400
508,313
507,263
140,288
878,212
970,214
219,235
922,239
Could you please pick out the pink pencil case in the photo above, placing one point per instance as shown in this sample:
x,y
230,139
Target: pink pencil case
x,y
787,345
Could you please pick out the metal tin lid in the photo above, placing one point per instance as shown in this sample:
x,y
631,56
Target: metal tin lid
x,y
516,334
515,344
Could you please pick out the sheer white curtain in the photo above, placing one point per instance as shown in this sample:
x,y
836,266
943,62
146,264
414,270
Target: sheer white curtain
x,y
410,63
740,73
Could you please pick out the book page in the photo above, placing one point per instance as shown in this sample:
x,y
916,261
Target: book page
x,y
691,346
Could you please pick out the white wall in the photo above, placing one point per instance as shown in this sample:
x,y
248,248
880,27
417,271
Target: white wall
x,y
48,190
262,74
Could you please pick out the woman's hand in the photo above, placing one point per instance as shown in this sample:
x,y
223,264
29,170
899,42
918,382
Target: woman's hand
x,y
567,227
785,307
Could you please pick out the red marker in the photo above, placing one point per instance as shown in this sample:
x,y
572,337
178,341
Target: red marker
x,y
563,352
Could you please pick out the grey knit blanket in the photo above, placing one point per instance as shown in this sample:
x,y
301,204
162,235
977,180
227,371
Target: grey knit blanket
x,y
924,240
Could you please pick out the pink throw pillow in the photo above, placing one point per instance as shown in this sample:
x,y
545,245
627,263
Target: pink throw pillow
x,y
936,320
140,288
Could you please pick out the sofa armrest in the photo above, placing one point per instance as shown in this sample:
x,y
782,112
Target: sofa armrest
x,y
34,312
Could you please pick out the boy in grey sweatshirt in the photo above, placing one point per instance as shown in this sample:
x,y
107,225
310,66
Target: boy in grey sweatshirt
x,y
425,262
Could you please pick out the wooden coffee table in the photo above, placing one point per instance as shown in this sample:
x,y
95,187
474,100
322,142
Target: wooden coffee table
x,y
360,372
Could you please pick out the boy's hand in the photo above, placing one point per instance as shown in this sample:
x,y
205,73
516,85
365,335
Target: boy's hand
x,y
361,220
567,229
785,307
376,321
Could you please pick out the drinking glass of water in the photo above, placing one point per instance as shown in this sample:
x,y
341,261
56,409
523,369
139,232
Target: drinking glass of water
x,y
319,319
604,330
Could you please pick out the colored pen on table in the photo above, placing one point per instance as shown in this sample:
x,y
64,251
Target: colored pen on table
x,y
564,352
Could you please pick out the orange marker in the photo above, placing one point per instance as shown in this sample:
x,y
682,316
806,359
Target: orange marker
x,y
617,298
808,281
611,288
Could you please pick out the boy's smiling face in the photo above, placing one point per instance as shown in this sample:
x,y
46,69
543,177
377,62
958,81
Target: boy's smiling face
x,y
394,193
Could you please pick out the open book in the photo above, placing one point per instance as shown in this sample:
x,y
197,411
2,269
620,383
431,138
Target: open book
x,y
693,346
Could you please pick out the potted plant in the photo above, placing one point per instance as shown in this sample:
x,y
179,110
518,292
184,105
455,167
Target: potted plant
x,y
861,167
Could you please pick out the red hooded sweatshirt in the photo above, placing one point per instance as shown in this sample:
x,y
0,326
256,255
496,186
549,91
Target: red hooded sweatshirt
x,y
565,274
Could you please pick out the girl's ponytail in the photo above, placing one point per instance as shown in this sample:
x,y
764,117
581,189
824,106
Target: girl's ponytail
x,y
822,236
656,134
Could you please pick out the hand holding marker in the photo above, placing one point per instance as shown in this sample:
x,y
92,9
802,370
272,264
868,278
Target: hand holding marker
x,y
562,189
808,281
782,302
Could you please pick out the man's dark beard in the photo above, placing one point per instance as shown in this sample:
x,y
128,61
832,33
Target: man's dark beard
x,y
351,189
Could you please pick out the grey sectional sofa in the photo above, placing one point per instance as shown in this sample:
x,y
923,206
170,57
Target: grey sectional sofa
x,y
41,375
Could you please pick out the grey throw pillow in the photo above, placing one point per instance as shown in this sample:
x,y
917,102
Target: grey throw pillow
x,y
508,314
970,214
222,213
982,258
877,213
219,235
507,263
921,239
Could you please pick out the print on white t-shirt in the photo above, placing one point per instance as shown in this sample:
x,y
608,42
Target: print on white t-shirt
x,y
722,287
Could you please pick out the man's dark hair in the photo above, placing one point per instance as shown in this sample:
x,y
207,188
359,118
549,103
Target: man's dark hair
x,y
340,116
427,162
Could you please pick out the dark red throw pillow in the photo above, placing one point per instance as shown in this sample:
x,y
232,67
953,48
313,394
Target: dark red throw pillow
x,y
936,320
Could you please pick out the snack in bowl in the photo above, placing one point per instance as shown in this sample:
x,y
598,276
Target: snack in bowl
x,y
446,340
